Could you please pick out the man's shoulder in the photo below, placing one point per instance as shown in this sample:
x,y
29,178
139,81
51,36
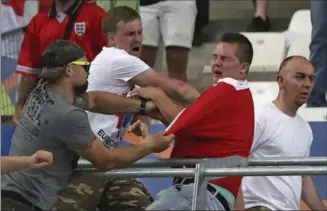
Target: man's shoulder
x,y
114,58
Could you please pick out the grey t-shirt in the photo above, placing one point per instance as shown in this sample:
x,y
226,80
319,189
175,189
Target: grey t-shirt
x,y
49,123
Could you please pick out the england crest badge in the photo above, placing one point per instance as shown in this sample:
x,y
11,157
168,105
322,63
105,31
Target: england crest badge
x,y
80,28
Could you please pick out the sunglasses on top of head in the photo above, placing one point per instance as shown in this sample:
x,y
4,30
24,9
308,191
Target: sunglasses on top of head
x,y
84,64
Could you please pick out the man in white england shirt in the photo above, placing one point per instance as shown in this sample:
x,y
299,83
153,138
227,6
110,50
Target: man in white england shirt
x,y
117,69
281,132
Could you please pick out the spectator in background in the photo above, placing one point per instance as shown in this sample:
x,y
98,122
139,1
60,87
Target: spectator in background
x,y
107,4
175,21
281,132
47,27
39,159
318,53
202,19
260,22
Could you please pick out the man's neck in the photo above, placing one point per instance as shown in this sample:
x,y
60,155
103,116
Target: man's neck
x,y
287,107
62,6
64,90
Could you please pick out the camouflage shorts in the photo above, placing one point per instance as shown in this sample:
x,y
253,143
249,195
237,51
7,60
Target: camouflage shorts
x,y
87,192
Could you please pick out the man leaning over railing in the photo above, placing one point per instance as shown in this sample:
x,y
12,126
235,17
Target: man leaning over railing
x,y
51,122
281,132
220,123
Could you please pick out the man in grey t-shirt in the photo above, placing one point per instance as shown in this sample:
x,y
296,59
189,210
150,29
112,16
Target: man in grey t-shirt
x,y
51,122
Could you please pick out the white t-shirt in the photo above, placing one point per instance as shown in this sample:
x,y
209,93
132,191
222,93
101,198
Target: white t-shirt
x,y
277,135
110,71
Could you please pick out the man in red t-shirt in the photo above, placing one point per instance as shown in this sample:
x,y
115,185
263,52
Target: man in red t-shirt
x,y
220,123
48,26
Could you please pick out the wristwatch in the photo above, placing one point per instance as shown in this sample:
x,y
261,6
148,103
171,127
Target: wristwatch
x,y
142,110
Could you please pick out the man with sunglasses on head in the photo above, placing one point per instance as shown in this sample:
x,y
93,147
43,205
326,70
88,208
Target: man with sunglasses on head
x,y
51,122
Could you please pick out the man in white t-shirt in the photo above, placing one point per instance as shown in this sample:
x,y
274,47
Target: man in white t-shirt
x,y
117,69
281,132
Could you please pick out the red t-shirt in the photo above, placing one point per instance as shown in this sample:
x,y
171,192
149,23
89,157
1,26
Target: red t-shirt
x,y
47,27
17,5
220,123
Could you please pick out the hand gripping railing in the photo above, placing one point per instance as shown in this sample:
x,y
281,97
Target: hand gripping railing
x,y
206,169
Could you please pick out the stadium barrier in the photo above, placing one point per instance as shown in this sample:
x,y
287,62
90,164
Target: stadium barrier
x,y
215,168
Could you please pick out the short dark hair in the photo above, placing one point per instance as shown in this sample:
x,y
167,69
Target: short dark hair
x,y
115,15
245,50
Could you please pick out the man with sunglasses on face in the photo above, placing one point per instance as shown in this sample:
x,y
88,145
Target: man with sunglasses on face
x,y
51,122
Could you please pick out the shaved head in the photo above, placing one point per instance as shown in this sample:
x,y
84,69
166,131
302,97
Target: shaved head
x,y
295,79
292,63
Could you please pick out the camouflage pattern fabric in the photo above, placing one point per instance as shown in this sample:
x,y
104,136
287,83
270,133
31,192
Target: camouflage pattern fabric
x,y
82,193
259,208
124,194
87,192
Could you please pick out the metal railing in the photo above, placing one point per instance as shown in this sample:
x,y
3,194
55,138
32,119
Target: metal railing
x,y
11,41
206,169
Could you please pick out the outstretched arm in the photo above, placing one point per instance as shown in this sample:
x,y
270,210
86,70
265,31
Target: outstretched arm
x,y
168,108
180,91
108,103
40,159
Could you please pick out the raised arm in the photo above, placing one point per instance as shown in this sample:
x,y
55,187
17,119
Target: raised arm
x,y
109,103
168,108
180,91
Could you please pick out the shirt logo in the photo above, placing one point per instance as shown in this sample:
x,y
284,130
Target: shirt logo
x,y
107,140
80,28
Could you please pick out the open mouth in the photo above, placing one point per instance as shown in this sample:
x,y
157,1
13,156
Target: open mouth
x,y
217,73
137,49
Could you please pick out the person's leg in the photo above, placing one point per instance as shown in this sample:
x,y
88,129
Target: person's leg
x,y
151,33
170,199
8,204
318,53
180,198
260,21
124,194
177,28
81,194
202,19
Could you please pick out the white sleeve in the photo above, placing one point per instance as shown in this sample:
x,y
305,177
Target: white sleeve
x,y
259,130
310,141
127,66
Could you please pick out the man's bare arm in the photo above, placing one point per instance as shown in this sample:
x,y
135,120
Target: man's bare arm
x,y
180,91
26,85
108,103
310,195
122,157
168,108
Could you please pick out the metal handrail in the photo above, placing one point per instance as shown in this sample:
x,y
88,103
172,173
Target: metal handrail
x,y
207,168
219,172
294,161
